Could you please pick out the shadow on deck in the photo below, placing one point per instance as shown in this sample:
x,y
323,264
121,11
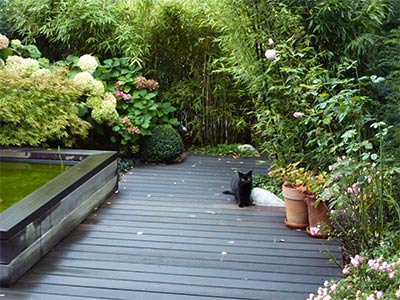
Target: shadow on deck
x,y
171,234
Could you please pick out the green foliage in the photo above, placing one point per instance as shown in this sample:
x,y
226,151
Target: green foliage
x,y
364,194
183,54
163,146
120,70
76,25
39,110
25,50
5,26
223,150
268,183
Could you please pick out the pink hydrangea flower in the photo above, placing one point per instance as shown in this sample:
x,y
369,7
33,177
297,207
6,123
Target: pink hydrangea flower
x,y
126,96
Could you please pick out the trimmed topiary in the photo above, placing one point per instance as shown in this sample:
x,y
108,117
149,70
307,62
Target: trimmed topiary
x,y
164,145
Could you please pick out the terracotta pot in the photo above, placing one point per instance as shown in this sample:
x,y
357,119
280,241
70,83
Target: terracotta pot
x,y
318,217
296,208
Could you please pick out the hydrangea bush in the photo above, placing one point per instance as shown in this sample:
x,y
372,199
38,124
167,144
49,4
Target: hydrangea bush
x,y
38,107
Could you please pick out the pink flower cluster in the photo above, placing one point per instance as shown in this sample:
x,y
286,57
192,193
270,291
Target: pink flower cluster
x,y
128,126
315,230
373,296
323,292
120,95
334,289
356,261
142,82
382,266
133,130
354,189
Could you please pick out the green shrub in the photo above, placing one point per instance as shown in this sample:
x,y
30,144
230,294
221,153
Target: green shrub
x,y
38,107
163,146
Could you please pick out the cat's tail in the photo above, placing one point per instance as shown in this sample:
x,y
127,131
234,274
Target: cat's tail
x,y
228,192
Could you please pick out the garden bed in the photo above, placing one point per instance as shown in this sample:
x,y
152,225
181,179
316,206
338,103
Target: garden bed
x,y
33,226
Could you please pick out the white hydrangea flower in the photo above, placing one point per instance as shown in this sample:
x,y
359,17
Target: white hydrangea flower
x,y
22,66
109,97
94,102
87,63
4,41
106,113
14,61
84,81
88,84
30,65
97,88
16,43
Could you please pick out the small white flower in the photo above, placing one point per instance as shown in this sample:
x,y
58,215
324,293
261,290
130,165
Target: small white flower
x,y
270,42
270,54
297,114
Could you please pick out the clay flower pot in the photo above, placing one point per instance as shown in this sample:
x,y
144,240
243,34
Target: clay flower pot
x,y
296,208
318,218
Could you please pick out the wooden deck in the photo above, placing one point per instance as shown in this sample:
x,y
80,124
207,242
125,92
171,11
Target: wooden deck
x,y
170,234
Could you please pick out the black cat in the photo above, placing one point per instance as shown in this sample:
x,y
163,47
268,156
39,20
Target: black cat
x,y
241,186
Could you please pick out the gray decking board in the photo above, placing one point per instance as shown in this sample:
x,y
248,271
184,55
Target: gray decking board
x,y
170,233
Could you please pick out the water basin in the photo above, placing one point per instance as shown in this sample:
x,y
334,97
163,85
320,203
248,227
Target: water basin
x,y
30,228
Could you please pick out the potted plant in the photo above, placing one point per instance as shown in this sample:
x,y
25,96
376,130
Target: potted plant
x,y
318,212
294,180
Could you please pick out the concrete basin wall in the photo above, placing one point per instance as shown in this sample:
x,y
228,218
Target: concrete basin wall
x,y
33,226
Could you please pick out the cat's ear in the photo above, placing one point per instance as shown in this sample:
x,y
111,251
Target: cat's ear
x,y
240,174
250,173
